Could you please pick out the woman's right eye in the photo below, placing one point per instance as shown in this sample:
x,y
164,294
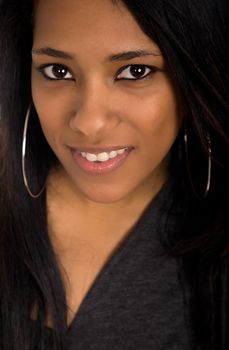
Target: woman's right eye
x,y
55,72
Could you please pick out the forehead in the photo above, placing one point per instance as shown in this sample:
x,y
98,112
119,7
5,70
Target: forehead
x,y
97,24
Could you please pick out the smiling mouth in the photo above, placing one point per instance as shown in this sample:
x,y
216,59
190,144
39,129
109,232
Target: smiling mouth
x,y
103,156
97,162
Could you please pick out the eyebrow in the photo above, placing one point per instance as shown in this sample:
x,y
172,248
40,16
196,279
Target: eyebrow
x,y
125,55
48,51
128,55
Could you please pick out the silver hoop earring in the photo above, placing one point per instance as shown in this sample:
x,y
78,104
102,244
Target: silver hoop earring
x,y
200,197
33,195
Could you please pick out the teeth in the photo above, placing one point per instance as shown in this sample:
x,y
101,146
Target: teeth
x,y
102,157
91,157
113,154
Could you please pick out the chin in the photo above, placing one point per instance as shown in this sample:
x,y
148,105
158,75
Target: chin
x,y
107,195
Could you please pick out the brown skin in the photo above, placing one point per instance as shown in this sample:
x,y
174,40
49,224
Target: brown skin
x,y
89,108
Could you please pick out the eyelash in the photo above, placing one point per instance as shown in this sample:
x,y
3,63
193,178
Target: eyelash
x,y
42,69
151,69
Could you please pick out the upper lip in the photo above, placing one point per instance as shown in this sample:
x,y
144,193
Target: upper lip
x,y
95,150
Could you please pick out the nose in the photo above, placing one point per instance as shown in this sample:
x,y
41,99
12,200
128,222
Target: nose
x,y
94,112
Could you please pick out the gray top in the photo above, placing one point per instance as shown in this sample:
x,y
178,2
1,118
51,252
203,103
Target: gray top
x,y
137,301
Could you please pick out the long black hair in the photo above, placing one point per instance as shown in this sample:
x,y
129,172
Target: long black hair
x,y
192,35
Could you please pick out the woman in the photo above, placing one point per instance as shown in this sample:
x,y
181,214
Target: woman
x,y
114,175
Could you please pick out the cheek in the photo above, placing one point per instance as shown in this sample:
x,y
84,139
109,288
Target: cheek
x,y
154,108
157,120
51,108
157,117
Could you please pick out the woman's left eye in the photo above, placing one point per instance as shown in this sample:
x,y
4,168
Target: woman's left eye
x,y
56,72
134,72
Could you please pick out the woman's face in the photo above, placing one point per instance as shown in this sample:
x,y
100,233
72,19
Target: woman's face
x,y
104,99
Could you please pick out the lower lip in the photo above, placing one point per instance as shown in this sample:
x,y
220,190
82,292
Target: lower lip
x,y
100,168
